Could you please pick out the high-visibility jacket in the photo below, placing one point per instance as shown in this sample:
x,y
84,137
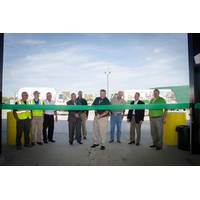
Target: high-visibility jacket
x,y
23,114
37,113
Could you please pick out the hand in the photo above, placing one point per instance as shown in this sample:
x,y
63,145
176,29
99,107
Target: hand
x,y
98,116
77,115
140,123
17,119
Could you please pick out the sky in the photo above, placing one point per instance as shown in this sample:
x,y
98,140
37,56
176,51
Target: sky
x,y
72,62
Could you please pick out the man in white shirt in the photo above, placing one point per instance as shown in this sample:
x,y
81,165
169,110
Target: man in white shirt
x,y
49,120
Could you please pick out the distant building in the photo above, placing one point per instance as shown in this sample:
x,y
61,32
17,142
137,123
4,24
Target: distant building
x,y
67,94
147,94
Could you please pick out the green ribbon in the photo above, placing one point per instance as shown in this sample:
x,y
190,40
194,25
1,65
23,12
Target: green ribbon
x,y
99,107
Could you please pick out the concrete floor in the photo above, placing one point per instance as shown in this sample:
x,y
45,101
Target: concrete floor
x,y
62,154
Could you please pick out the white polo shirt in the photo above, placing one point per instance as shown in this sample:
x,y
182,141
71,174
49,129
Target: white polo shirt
x,y
49,112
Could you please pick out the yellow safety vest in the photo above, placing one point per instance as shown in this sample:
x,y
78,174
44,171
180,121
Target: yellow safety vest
x,y
23,114
37,113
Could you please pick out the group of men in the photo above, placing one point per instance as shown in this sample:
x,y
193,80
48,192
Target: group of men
x,y
40,120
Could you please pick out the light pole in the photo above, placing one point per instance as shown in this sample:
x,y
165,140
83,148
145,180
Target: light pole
x,y
107,73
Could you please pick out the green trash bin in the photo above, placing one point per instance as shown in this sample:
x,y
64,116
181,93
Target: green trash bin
x,y
183,132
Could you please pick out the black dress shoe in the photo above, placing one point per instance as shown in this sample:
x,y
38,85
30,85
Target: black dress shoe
x,y
71,143
80,142
131,142
45,141
152,146
118,141
39,143
94,145
52,141
137,144
158,148
103,148
111,141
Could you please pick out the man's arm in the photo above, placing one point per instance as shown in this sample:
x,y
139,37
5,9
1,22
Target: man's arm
x,y
142,112
123,113
165,113
15,113
130,112
94,103
56,115
106,112
87,111
103,114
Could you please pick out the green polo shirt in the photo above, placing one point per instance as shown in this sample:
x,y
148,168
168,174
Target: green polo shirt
x,y
98,101
157,113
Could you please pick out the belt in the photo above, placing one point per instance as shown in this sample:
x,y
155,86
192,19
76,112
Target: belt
x,y
103,116
156,117
116,114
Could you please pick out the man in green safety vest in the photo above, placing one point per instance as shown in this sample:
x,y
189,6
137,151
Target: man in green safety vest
x,y
37,121
157,118
23,123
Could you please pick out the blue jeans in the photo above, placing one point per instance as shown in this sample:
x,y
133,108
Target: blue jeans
x,y
115,120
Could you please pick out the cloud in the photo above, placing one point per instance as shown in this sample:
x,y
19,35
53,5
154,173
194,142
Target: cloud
x,y
75,67
157,50
31,42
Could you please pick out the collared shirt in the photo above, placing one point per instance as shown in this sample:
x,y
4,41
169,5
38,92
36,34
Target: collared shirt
x,y
135,102
74,102
157,113
100,101
116,101
73,113
49,112
36,101
82,101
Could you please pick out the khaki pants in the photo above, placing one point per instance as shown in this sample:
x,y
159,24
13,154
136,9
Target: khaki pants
x,y
37,126
100,127
83,124
135,131
157,131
